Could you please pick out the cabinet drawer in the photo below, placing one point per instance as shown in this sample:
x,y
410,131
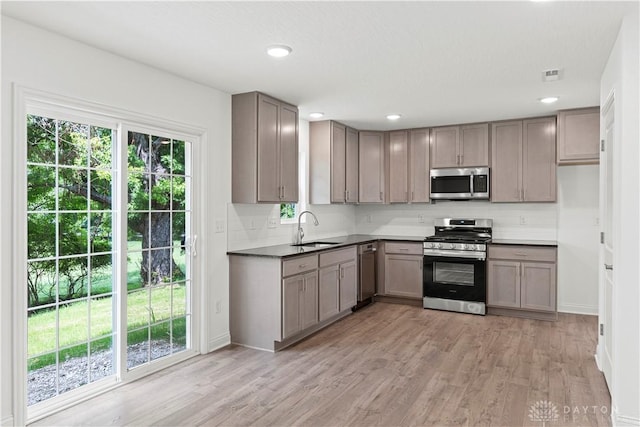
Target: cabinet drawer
x,y
403,248
522,253
299,265
339,256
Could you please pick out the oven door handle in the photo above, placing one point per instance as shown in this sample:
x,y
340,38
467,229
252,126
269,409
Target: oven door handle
x,y
455,254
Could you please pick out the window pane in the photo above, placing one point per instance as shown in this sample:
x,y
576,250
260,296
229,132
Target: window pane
x,y
41,235
73,144
179,197
160,340
179,159
73,323
101,359
72,192
137,308
41,380
73,233
41,140
179,334
138,150
138,187
102,274
136,276
101,232
137,230
161,155
160,303
41,283
161,226
73,276
101,317
41,330
160,266
41,189
160,193
101,148
137,347
73,367
101,190
179,265
178,224
179,300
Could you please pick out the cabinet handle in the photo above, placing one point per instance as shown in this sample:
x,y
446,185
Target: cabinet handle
x,y
346,195
457,159
520,253
381,195
342,273
413,196
524,194
302,265
461,158
420,264
518,272
608,266
403,249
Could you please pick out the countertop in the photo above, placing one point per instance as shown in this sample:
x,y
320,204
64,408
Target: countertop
x,y
286,250
524,242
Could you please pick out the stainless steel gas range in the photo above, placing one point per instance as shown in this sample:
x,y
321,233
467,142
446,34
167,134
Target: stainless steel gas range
x,y
455,265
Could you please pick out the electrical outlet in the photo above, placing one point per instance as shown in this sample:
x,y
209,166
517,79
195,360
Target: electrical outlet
x,y
218,307
421,219
596,221
367,218
272,223
252,225
523,220
219,225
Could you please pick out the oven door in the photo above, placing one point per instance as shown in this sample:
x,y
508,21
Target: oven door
x,y
455,278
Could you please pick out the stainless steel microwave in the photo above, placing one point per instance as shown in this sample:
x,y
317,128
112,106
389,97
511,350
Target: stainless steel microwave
x,y
460,183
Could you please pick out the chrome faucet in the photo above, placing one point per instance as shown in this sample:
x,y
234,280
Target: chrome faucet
x,y
300,230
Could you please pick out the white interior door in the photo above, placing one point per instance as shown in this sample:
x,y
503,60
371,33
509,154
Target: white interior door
x,y
608,199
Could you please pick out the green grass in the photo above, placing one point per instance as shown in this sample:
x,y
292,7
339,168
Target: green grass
x,y
145,308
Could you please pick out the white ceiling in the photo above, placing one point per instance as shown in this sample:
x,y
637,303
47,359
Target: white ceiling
x,y
433,62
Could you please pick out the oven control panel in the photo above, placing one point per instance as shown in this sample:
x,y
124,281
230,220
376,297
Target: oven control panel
x,y
456,246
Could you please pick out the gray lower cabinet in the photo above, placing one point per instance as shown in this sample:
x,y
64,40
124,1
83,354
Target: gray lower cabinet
x,y
403,269
299,303
338,284
522,278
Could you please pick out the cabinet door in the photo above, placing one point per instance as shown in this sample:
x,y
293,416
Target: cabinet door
x,y
398,161
291,288
351,167
419,166
444,147
268,150
539,160
328,291
503,287
348,285
288,165
403,276
538,287
309,301
338,163
371,167
579,136
506,165
474,145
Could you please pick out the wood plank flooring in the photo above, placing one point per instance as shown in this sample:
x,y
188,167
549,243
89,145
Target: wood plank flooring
x,y
385,365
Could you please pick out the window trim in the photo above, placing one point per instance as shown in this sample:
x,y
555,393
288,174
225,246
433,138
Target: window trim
x,y
33,101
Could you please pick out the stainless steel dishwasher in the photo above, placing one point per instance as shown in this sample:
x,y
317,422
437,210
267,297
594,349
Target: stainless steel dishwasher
x,y
367,273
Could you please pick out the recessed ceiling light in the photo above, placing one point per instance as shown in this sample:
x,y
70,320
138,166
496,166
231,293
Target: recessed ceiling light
x,y
279,51
549,99
316,115
393,116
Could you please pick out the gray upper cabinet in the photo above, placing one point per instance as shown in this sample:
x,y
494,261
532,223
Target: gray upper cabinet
x,y
371,167
524,161
408,168
460,146
419,166
579,136
333,163
398,166
264,149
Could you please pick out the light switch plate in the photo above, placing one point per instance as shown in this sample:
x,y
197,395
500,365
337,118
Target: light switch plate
x,y
272,223
219,225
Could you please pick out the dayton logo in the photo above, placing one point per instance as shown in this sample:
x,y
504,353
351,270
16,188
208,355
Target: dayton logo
x,y
543,411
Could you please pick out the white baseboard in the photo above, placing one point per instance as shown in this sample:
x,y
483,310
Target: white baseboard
x,y
578,309
6,422
622,421
595,356
219,341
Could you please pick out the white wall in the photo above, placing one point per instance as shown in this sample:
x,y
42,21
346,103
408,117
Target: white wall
x,y
41,60
578,239
621,75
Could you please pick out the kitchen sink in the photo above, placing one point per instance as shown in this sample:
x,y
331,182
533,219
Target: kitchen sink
x,y
316,244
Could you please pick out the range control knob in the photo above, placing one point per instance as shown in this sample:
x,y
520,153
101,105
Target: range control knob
x,y
428,245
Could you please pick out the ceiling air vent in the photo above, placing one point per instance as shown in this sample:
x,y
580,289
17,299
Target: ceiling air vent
x,y
551,75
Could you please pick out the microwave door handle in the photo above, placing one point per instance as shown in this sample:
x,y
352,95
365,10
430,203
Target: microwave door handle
x,y
471,186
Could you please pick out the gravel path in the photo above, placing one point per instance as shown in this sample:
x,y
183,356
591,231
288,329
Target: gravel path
x,y
41,383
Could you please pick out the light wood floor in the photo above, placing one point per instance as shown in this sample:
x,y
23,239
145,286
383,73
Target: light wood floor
x,y
385,365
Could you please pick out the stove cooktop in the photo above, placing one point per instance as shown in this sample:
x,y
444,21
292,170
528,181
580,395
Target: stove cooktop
x,y
457,239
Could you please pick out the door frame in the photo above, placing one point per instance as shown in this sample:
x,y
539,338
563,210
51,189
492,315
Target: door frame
x,y
27,99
